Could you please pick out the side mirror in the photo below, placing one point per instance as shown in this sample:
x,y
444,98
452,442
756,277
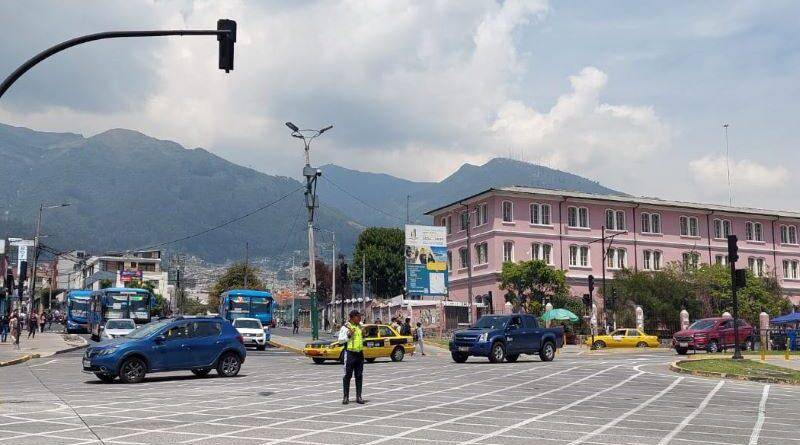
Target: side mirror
x,y
161,339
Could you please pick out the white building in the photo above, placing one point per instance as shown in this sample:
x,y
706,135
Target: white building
x,y
121,269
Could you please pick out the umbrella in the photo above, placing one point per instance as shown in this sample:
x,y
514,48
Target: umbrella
x,y
794,317
559,314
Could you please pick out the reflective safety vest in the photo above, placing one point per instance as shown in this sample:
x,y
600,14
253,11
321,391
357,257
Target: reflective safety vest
x,y
356,342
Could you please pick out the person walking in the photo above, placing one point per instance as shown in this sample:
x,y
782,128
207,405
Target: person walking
x,y
295,326
42,320
405,329
353,356
50,320
15,328
418,335
4,328
32,326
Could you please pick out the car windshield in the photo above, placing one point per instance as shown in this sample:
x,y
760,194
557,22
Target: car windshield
x,y
148,329
139,306
120,324
261,305
247,324
117,307
78,308
702,324
491,322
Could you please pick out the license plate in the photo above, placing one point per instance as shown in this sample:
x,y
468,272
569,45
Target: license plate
x,y
683,344
463,348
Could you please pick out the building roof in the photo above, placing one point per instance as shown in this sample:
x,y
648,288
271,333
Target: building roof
x,y
519,190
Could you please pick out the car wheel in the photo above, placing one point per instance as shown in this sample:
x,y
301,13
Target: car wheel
x,y
512,357
105,377
548,352
681,351
641,344
132,370
459,357
202,372
261,347
498,353
398,354
229,365
712,347
370,360
599,344
318,360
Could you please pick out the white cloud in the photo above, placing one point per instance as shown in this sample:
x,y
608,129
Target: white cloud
x,y
711,173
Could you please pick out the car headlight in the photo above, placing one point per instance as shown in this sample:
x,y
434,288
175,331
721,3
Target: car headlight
x,y
106,351
484,337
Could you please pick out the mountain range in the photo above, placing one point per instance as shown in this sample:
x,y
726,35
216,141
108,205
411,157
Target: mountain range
x,y
130,191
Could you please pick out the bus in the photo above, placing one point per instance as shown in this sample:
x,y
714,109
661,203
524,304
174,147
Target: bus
x,y
238,303
78,311
119,302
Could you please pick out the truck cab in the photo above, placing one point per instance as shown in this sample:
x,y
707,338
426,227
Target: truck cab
x,y
506,337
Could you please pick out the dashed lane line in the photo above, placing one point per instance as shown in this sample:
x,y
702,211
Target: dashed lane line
x,y
762,408
692,415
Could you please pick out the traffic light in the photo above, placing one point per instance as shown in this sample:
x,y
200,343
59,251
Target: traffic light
x,y
587,300
733,249
591,284
740,278
226,41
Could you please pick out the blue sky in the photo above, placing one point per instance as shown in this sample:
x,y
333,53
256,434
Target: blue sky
x,y
632,94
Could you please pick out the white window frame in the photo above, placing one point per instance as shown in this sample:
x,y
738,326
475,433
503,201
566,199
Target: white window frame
x,y
749,231
537,252
463,221
694,262
481,214
549,220
683,224
792,235
508,254
758,232
618,220
463,257
579,256
721,259
485,254
722,228
756,265
580,214
790,269
649,221
449,224
537,217
503,212
617,257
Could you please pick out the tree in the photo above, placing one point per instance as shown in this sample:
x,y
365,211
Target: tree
x,y
530,284
105,283
382,248
233,278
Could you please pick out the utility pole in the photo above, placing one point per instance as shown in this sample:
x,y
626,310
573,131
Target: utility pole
x,y
470,318
246,262
364,281
604,257
32,287
408,198
333,278
311,174
728,165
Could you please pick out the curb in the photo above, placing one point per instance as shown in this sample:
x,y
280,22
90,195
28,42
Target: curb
x,y
675,367
74,348
275,344
19,360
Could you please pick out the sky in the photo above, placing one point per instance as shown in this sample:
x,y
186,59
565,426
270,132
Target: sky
x,y
633,94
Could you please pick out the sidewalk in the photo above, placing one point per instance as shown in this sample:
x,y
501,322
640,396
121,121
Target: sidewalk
x,y
43,345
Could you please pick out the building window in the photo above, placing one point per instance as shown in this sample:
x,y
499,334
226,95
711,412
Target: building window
x,y
482,253
748,231
540,214
508,211
754,231
578,217
688,226
449,224
691,260
579,256
788,235
651,223
790,269
463,259
541,252
756,265
652,260
482,214
508,251
615,219
449,260
464,217
721,260
615,258
722,228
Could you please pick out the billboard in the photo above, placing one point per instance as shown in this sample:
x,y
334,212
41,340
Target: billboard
x,y
128,275
426,260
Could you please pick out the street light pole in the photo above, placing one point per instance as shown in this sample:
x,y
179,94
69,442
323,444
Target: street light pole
x,y
32,288
311,174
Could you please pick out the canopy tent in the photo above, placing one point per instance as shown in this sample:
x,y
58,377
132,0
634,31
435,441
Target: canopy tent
x,y
794,317
559,314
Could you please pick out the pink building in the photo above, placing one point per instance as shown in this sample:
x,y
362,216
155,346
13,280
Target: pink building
x,y
564,229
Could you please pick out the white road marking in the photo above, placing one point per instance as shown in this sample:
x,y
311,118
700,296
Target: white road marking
x,y
762,408
628,413
42,364
691,416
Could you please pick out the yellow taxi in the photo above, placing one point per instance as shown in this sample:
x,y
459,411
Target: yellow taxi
x,y
624,338
380,340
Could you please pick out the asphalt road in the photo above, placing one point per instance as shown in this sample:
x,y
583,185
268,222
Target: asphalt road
x,y
283,398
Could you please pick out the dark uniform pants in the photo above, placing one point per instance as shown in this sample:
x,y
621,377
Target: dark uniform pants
x,y
353,364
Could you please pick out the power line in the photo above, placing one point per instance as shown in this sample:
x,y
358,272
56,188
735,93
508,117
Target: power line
x,y
362,201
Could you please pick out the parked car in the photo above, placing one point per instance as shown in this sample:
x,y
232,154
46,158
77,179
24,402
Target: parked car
x,y
380,340
253,332
118,327
712,335
624,338
505,337
193,344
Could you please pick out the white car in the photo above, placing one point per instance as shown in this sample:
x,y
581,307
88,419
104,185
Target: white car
x,y
253,332
118,327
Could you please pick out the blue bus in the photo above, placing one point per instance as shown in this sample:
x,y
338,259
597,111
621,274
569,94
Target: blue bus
x,y
246,303
119,302
78,311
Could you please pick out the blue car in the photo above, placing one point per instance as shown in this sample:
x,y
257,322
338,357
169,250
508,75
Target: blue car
x,y
505,337
192,344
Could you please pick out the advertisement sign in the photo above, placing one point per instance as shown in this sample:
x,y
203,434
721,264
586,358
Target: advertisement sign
x,y
426,260
129,275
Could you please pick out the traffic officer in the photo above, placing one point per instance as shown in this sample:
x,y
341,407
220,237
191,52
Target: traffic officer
x,y
353,356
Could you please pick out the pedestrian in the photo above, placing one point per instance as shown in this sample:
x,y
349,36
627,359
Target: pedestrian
x,y
15,328
50,320
405,329
418,335
295,326
395,324
351,335
4,327
42,320
32,325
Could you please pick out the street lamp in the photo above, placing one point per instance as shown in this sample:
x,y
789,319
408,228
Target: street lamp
x,y
42,207
311,175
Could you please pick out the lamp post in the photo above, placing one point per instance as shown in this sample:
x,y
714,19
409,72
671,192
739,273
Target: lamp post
x,y
333,273
603,239
311,175
42,208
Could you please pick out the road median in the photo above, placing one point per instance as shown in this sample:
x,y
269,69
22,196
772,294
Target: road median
x,y
737,369
19,360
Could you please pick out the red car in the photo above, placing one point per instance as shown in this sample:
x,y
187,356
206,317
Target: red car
x,y
712,335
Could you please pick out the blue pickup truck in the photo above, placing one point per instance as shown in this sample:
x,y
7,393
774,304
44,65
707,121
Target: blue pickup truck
x,y
505,337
